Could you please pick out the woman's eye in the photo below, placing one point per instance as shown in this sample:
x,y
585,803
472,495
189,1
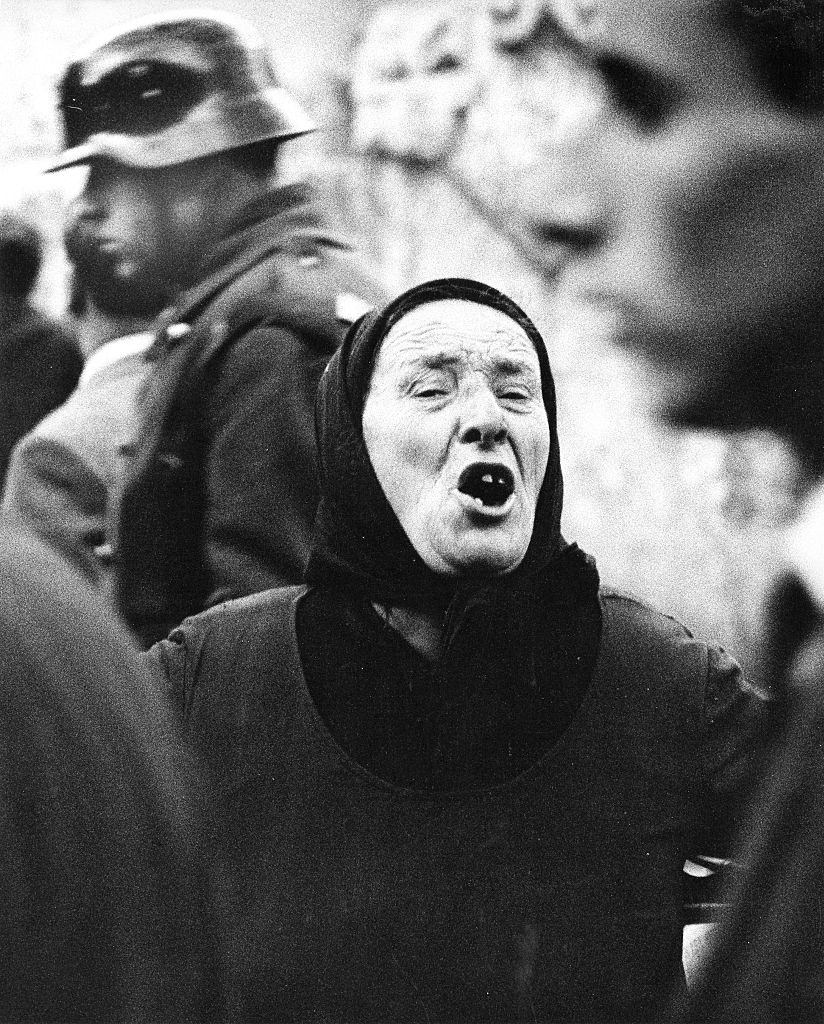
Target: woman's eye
x,y
431,388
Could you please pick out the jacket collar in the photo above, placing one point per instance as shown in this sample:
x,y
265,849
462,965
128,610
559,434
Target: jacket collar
x,y
268,217
288,215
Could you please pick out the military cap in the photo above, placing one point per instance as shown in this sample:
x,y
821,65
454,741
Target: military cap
x,y
171,88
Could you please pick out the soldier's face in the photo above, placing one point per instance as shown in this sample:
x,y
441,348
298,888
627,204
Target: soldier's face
x,y
700,208
136,232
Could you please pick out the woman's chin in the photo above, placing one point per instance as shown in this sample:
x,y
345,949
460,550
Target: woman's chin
x,y
480,557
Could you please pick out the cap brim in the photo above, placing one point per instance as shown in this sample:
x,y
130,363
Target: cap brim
x,y
281,118
74,157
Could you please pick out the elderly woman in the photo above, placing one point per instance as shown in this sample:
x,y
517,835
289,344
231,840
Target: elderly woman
x,y
451,779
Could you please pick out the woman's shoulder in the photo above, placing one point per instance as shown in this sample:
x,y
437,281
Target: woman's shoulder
x,y
229,639
212,662
263,609
632,614
654,653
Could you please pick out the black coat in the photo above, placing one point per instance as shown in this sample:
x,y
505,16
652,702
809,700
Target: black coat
x,y
40,364
220,491
556,895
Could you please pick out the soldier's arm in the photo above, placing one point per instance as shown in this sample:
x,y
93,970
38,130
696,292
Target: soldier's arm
x,y
55,495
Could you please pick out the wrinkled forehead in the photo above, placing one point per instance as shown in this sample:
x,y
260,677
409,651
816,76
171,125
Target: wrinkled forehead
x,y
456,329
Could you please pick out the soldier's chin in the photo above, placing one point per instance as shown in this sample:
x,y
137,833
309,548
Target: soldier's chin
x,y
119,293
116,286
126,297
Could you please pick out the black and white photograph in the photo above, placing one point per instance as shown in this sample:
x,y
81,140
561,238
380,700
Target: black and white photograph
x,y
482,337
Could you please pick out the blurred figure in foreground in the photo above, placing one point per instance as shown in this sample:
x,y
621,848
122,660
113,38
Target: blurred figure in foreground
x,y
102,886
694,213
181,121
458,780
63,474
40,361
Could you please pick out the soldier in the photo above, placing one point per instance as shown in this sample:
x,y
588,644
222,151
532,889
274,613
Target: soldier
x,y
180,120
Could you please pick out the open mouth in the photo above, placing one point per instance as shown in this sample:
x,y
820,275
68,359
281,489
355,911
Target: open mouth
x,y
489,485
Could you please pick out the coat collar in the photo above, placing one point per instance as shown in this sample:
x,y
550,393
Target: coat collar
x,y
269,217
285,216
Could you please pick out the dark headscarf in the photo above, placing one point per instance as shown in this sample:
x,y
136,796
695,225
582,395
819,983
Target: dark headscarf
x,y
359,543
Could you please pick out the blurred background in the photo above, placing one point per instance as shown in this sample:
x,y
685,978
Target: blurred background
x,y
432,144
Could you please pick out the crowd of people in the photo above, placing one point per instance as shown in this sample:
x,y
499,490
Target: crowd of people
x,y
312,712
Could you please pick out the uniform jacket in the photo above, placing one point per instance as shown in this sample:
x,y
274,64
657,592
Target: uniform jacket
x,y
62,472
219,490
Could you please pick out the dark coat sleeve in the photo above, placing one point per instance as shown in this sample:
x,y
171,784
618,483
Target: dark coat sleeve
x,y
737,724
260,476
739,721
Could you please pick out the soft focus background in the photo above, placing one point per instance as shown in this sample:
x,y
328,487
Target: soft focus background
x,y
434,141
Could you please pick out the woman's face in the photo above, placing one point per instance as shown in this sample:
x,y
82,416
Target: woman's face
x,y
457,433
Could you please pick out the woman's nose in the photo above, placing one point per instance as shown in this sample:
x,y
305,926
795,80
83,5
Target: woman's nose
x,y
482,420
